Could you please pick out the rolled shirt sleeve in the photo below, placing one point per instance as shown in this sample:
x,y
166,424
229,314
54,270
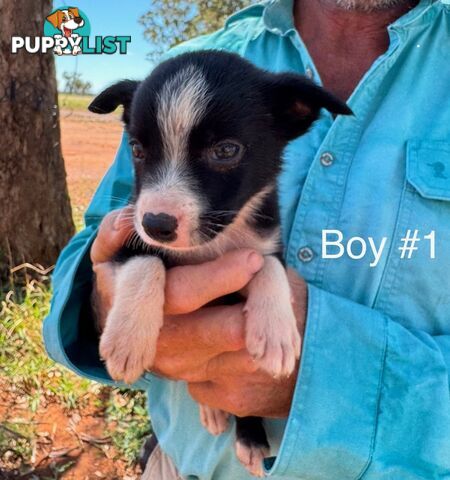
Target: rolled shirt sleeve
x,y
370,393
69,334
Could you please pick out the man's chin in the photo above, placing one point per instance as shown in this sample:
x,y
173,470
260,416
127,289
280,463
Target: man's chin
x,y
368,5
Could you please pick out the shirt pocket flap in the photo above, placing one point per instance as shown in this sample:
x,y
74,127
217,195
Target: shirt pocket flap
x,y
428,168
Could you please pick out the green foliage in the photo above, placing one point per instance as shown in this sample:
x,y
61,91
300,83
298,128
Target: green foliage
x,y
25,365
170,22
75,84
128,417
15,444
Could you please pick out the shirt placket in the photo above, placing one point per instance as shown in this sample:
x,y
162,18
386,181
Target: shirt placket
x,y
322,196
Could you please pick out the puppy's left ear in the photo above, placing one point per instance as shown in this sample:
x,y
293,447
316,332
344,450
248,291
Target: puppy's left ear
x,y
55,18
120,93
295,102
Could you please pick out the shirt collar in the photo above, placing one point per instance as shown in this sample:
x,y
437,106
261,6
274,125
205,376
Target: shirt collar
x,y
278,16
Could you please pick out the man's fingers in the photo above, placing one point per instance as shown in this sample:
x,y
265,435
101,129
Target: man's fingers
x,y
206,393
191,287
216,395
231,363
104,292
216,329
113,233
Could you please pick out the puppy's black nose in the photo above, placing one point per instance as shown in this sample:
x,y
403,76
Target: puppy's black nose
x,y
161,227
78,20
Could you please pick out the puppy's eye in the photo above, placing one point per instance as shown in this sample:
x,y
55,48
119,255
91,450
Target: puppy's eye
x,y
226,153
137,150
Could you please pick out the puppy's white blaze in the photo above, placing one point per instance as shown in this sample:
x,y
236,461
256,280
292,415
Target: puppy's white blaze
x,y
181,103
170,176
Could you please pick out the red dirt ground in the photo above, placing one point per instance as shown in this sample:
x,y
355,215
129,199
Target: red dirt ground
x,y
89,143
75,439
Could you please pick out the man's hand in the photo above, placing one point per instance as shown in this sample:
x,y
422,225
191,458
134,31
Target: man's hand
x,y
204,345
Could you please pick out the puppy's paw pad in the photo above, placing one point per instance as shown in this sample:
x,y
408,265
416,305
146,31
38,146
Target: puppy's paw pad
x,y
279,359
214,420
124,365
272,339
256,342
252,456
126,358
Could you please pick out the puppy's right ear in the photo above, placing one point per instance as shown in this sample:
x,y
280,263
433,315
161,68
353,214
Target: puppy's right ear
x,y
296,101
120,93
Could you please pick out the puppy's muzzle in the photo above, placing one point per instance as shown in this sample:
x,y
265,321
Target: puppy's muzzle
x,y
161,227
78,20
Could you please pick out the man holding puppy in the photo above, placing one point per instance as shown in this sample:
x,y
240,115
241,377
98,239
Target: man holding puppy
x,y
370,398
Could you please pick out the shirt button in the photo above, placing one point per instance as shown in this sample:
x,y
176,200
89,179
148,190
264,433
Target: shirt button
x,y
305,254
309,73
327,159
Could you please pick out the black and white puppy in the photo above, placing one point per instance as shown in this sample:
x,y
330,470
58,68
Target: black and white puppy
x,y
207,131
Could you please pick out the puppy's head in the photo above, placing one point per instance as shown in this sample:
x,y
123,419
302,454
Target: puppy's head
x,y
207,131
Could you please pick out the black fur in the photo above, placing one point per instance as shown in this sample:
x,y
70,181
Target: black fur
x,y
250,431
118,94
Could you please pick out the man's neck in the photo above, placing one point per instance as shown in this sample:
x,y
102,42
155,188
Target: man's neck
x,y
344,43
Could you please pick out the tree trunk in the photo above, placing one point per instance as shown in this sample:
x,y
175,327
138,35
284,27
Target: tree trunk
x,y
35,214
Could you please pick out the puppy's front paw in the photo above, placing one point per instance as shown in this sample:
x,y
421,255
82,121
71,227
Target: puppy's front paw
x,y
272,337
214,420
127,353
252,456
128,342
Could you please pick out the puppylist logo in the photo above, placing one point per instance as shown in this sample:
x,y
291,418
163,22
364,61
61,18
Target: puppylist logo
x,y
67,32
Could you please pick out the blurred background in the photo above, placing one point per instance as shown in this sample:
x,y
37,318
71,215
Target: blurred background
x,y
53,153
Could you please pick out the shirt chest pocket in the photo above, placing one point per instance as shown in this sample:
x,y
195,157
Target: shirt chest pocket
x,y
428,168
415,289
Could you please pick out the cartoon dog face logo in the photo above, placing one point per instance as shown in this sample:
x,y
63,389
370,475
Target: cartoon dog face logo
x,y
66,20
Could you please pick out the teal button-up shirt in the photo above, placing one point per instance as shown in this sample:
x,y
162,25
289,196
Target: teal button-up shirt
x,y
372,398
